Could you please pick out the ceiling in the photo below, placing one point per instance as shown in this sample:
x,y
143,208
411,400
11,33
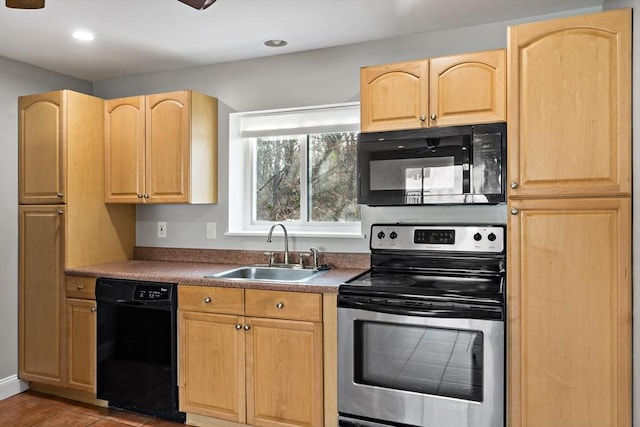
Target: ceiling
x,y
143,36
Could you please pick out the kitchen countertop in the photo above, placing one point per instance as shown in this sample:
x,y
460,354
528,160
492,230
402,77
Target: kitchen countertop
x,y
192,273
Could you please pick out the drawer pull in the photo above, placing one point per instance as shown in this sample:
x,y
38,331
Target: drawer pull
x,y
280,305
207,300
79,287
93,309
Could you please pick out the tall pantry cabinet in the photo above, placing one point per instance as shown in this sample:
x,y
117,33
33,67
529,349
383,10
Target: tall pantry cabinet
x,y
63,221
569,262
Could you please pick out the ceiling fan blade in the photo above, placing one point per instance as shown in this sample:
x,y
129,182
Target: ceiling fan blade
x,y
25,4
198,4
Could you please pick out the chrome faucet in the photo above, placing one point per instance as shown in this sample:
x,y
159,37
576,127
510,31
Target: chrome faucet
x,y
286,241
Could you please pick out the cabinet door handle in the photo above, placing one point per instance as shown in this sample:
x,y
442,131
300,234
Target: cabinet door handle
x,y
433,116
60,195
423,117
238,326
280,305
247,327
140,196
94,309
60,211
145,195
207,300
79,287
514,185
515,211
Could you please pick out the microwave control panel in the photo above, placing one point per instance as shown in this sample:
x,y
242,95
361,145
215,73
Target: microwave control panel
x,y
439,237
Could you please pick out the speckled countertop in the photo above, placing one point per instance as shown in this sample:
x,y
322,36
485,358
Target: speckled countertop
x,y
190,266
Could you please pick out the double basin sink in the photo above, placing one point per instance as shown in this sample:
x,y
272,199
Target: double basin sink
x,y
293,274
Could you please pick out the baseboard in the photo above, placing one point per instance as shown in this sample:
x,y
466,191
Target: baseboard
x,y
11,386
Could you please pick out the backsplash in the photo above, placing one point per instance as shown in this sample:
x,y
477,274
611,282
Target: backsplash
x,y
225,256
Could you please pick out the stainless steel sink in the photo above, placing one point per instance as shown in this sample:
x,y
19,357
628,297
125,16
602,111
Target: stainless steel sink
x,y
269,274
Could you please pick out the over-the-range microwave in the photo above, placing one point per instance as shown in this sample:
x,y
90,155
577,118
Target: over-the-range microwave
x,y
452,165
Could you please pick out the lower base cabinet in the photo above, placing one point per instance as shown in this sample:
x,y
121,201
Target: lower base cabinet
x,y
569,304
80,334
251,356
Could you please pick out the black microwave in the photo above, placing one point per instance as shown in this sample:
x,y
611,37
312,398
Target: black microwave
x,y
452,165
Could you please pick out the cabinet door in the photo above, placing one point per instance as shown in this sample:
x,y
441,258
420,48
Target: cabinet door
x,y
569,313
41,293
212,365
41,149
125,150
468,89
81,345
570,106
394,96
284,373
168,140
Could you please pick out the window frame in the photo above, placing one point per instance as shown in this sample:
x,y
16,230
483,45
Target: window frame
x,y
243,130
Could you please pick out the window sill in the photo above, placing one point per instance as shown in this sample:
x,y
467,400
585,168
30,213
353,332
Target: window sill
x,y
314,234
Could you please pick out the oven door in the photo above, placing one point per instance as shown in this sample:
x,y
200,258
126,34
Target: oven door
x,y
420,371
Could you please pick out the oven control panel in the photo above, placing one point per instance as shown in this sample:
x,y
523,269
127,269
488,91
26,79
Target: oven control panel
x,y
439,237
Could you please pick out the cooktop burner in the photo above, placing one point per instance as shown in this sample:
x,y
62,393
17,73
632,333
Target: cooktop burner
x,y
436,284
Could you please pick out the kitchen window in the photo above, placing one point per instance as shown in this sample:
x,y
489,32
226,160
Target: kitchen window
x,y
300,169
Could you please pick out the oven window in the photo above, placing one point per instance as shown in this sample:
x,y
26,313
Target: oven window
x,y
437,361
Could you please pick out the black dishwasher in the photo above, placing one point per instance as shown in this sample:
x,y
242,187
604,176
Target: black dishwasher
x,y
137,347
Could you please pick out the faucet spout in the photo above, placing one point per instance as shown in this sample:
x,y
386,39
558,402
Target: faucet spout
x,y
286,240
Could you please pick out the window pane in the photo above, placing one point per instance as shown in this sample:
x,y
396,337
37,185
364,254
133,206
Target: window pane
x,y
332,177
278,178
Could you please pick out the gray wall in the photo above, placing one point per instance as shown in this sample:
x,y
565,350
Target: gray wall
x,y
317,77
310,78
16,79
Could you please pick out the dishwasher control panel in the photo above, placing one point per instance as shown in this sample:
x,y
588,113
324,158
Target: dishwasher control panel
x,y
151,293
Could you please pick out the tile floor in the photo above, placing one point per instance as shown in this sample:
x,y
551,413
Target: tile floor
x,y
35,409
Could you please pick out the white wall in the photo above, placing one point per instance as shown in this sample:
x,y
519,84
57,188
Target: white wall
x,y
317,77
16,79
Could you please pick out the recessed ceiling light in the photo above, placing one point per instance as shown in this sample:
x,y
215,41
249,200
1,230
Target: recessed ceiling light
x,y
85,36
275,43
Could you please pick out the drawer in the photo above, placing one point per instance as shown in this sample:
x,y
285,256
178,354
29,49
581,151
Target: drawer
x,y
210,299
80,287
283,305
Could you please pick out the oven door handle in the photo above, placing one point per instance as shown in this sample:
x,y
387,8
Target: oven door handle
x,y
494,313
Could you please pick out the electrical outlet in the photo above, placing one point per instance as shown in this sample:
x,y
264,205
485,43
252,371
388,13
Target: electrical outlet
x,y
162,229
211,230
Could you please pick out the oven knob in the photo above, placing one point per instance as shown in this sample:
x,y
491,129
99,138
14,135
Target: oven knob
x,y
477,237
491,237
393,235
381,235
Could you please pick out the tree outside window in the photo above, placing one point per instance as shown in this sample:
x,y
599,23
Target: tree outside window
x,y
306,178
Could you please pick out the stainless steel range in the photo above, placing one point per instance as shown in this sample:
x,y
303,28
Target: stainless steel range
x,y
421,334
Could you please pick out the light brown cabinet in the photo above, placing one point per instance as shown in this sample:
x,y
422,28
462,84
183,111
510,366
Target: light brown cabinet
x,y
162,148
570,313
569,246
63,222
80,335
570,106
41,293
246,368
446,91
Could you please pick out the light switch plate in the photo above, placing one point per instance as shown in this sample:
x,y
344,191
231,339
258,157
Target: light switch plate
x,y
211,230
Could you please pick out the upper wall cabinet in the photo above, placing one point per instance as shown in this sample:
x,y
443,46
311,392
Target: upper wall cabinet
x,y
162,148
42,143
446,91
570,106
